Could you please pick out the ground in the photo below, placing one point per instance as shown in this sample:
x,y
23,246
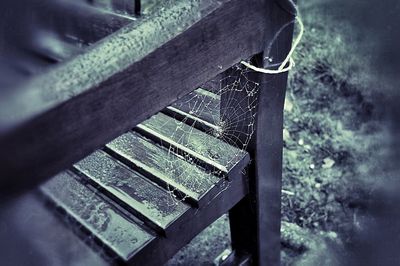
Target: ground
x,y
333,147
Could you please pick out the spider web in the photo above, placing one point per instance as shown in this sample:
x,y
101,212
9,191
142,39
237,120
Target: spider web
x,y
224,108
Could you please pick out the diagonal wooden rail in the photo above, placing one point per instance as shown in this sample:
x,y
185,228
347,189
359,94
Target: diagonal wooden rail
x,y
48,124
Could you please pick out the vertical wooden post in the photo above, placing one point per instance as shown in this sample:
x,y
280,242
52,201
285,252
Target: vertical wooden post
x,y
255,221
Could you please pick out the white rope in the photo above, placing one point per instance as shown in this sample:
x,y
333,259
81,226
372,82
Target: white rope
x,y
288,63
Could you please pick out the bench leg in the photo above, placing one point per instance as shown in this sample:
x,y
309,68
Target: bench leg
x,y
255,221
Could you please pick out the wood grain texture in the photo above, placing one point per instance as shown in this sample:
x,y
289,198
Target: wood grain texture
x,y
269,145
259,232
205,149
48,125
35,235
200,103
120,234
163,249
160,249
137,194
165,167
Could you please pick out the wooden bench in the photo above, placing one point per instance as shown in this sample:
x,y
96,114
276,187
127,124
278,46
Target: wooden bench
x,y
104,160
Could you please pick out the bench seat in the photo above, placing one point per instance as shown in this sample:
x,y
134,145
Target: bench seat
x,y
140,196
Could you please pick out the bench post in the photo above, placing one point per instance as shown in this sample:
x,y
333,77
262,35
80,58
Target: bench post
x,y
255,221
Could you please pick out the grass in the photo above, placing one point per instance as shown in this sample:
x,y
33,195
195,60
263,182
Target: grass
x,y
332,131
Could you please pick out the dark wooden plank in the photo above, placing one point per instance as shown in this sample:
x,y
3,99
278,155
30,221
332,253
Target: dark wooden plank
x,y
202,104
32,234
269,144
138,195
191,120
166,168
164,248
121,235
206,149
120,82
234,103
255,221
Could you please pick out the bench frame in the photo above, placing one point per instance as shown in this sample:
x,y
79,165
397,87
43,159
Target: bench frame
x,y
44,128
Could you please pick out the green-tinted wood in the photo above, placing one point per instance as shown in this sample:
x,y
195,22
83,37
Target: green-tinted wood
x,y
207,149
121,235
202,104
138,195
165,247
165,167
120,82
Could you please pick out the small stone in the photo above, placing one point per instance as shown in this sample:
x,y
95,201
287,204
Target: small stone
x,y
328,163
288,106
307,147
332,235
286,135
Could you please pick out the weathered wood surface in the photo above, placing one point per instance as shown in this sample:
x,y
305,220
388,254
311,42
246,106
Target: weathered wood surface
x,y
160,249
144,200
33,235
165,168
137,194
209,151
268,165
119,233
255,221
199,109
46,125
202,104
191,120
165,248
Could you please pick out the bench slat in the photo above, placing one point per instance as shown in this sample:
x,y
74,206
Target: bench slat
x,y
139,195
202,104
203,147
123,236
35,236
165,167
106,91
